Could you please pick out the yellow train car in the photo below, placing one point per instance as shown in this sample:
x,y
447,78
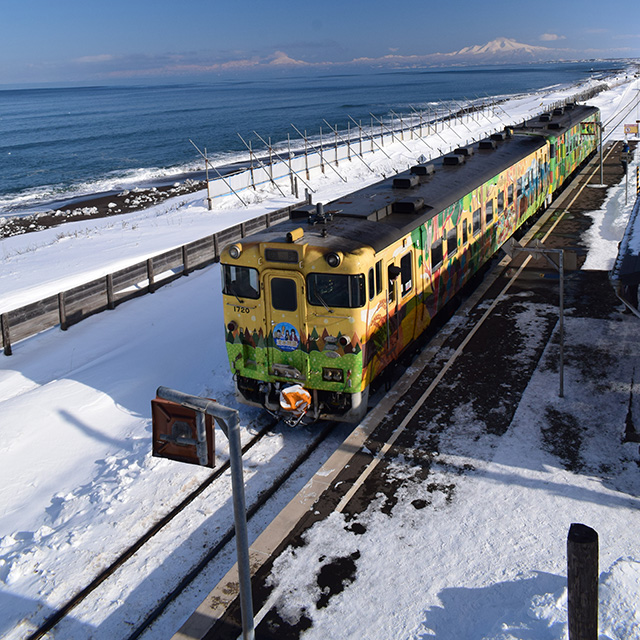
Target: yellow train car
x,y
317,307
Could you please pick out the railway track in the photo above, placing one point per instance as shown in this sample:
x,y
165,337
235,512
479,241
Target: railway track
x,y
264,496
392,430
190,501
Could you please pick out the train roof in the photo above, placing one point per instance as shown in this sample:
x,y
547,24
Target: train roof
x,y
390,209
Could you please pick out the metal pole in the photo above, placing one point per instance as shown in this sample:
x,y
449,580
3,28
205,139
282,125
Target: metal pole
x,y
281,160
601,154
253,180
561,324
360,157
220,175
373,141
383,126
206,167
267,171
230,424
242,537
328,163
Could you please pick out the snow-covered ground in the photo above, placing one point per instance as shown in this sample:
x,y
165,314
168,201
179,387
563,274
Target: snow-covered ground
x,y
79,482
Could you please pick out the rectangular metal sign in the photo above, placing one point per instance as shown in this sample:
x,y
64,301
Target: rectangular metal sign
x,y
175,433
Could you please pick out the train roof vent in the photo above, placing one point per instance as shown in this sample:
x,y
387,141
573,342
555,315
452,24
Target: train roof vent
x,y
406,182
487,144
501,136
453,160
545,117
464,151
553,125
422,169
569,106
304,211
558,111
408,205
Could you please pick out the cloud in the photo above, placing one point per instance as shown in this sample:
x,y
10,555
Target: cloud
x,y
104,57
551,37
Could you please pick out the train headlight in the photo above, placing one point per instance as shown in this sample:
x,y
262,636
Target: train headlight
x,y
332,375
333,259
235,251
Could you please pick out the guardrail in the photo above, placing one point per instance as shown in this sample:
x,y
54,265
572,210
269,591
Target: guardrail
x,y
74,305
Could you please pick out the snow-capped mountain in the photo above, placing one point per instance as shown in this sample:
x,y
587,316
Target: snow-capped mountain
x,y
498,51
502,50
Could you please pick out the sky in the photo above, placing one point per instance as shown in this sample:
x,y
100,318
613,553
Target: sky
x,y
79,40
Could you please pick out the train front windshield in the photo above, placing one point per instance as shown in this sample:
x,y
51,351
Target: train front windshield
x,y
336,290
241,282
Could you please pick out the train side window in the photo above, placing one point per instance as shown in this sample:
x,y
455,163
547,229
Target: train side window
x,y
519,190
489,211
500,202
406,274
477,223
336,290
284,294
436,253
372,284
552,151
379,277
510,194
452,241
465,236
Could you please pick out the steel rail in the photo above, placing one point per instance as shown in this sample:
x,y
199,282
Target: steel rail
x,y
132,549
263,498
434,383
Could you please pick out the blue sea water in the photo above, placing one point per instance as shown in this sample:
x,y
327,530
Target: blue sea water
x,y
59,143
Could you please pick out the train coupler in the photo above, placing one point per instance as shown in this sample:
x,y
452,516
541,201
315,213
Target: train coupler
x,y
295,401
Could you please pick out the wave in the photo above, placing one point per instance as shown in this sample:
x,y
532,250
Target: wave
x,y
50,196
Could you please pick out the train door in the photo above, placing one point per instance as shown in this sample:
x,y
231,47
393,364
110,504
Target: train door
x,y
393,316
286,325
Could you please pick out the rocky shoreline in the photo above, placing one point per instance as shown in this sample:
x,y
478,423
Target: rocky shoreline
x,y
96,206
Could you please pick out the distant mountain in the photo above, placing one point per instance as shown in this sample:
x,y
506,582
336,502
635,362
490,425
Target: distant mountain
x,y
499,51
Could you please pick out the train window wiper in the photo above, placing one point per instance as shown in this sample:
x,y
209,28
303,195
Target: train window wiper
x,y
319,297
232,288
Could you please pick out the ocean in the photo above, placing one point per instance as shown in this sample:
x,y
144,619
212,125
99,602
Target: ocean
x,y
57,144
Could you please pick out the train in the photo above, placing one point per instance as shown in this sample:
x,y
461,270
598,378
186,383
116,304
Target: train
x,y
317,307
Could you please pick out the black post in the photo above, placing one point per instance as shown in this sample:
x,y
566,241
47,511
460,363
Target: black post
x,y
582,582
111,302
185,260
62,311
150,276
6,337
216,247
